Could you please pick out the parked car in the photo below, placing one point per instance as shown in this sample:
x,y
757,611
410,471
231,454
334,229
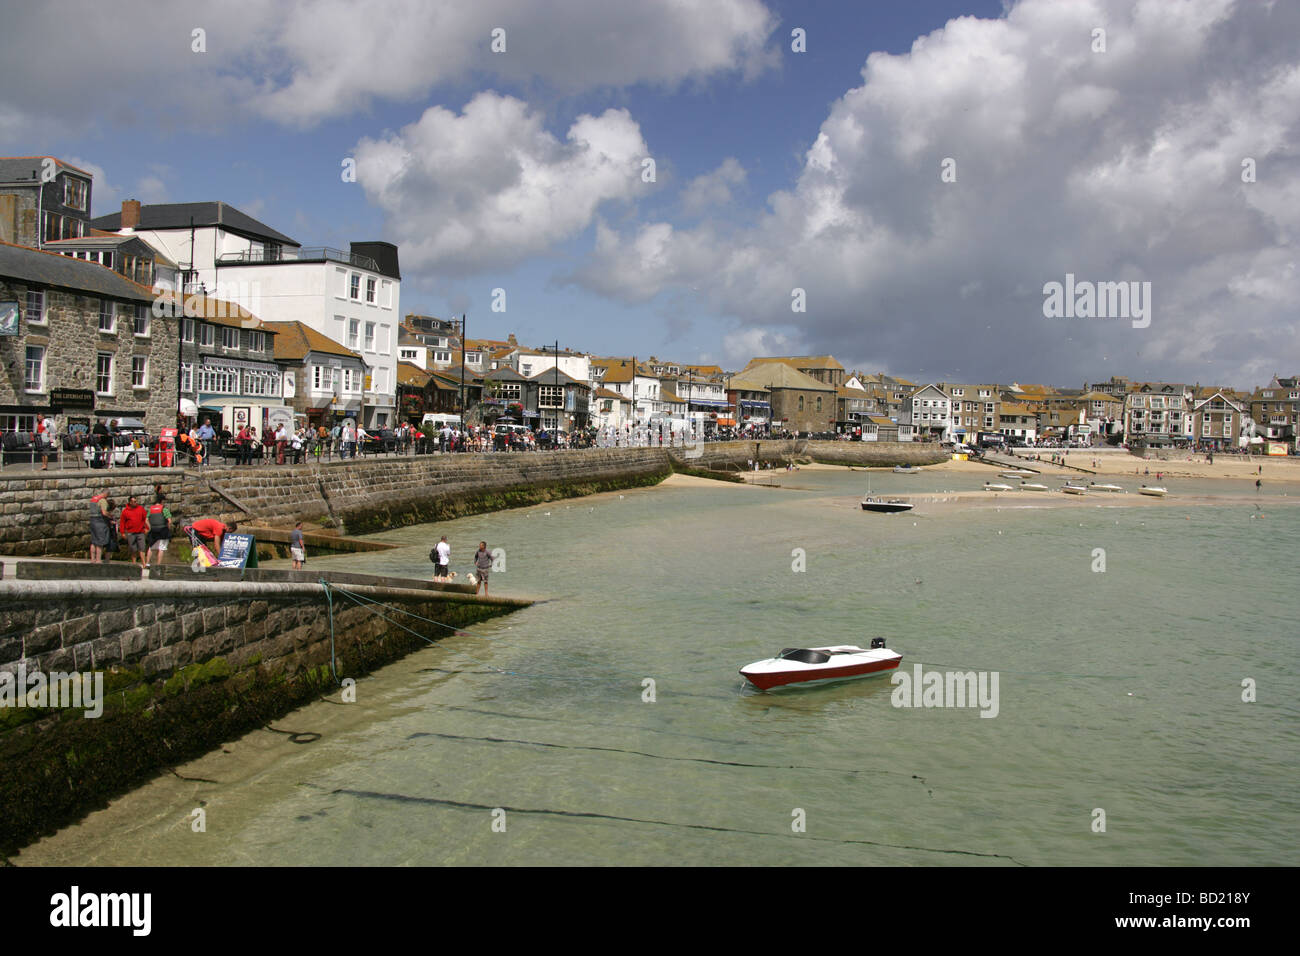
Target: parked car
x,y
126,443
381,442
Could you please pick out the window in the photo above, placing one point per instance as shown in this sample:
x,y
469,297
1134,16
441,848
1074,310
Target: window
x,y
800,403
36,307
74,192
104,373
187,330
261,382
819,403
354,286
34,376
322,378
526,369
229,338
187,377
207,335
256,341
354,327
406,355
551,396
370,336
509,391
1205,426
107,316
442,356
140,325
370,291
139,371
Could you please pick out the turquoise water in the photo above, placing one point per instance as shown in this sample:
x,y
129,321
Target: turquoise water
x,y
1118,690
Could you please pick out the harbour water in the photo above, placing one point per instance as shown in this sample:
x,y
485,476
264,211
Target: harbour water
x,y
533,740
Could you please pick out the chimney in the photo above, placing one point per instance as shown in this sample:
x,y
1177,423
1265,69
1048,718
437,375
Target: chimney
x,y
130,214
511,339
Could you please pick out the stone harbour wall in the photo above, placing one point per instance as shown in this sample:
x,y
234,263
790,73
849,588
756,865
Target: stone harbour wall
x,y
186,664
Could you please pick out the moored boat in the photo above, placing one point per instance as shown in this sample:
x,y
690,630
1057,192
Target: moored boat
x,y
1070,489
814,665
906,470
1033,486
1093,486
880,506
1016,473
1155,491
997,486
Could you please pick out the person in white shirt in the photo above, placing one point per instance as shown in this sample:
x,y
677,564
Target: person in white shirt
x,y
281,439
443,550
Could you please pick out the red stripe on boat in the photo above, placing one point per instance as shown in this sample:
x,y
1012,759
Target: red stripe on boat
x,y
765,681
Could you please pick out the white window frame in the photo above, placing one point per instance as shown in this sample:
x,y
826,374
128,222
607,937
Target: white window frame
x,y
227,333
140,320
108,308
207,335
354,286
42,315
39,384
139,371
99,357
354,333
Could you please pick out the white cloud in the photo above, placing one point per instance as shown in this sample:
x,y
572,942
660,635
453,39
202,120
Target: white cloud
x,y
713,188
305,61
490,186
1117,165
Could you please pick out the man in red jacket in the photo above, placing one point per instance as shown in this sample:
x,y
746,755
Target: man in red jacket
x,y
210,529
133,525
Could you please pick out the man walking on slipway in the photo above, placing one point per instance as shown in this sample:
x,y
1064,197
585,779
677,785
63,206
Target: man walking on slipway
x,y
443,550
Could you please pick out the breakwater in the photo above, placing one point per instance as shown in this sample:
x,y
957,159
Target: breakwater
x,y
184,662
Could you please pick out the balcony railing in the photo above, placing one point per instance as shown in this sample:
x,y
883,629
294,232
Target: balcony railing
x,y
305,254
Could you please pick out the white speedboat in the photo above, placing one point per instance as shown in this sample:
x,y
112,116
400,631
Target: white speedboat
x,y
1033,486
906,470
880,506
1155,491
1070,489
1016,473
814,665
997,486
1093,486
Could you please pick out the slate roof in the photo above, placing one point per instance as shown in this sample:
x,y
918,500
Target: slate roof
x,y
295,340
177,216
16,169
64,272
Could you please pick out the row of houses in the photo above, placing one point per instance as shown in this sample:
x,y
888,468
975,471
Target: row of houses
x,y
198,310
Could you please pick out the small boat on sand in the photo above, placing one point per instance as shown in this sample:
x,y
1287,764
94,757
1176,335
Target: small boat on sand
x,y
1070,489
997,486
1155,491
906,470
880,506
1016,473
815,665
1093,486
1033,486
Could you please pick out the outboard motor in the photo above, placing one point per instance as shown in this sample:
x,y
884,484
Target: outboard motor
x,y
877,642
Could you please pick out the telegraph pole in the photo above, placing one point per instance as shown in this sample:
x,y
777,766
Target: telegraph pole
x,y
463,318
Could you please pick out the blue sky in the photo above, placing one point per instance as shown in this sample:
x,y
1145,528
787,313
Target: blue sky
x,y
775,170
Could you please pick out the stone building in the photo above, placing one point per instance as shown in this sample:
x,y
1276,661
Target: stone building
x,y
44,192
800,403
80,342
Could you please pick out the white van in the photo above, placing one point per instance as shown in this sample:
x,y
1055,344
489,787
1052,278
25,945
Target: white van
x,y
435,421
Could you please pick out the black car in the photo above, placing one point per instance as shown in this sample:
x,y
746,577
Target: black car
x,y
382,442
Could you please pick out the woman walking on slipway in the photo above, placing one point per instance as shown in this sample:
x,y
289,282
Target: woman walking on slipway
x,y
101,527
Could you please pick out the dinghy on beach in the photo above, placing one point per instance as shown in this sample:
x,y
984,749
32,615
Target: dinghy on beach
x,y
1155,491
1070,489
997,486
1093,486
1033,486
818,665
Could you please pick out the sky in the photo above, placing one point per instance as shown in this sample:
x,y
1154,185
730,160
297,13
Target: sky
x,y
898,185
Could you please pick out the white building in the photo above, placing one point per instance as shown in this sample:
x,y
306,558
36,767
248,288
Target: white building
x,y
353,297
933,414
